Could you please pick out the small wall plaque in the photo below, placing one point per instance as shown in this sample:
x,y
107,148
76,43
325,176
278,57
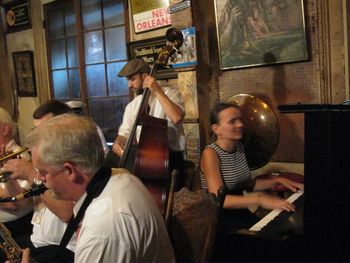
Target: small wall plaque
x,y
17,16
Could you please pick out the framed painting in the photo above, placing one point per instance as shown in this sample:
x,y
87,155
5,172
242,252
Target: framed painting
x,y
260,32
25,74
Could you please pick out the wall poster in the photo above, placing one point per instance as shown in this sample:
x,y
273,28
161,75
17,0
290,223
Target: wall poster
x,y
150,14
187,57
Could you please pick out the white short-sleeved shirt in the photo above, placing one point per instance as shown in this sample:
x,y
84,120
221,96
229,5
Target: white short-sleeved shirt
x,y
176,135
8,216
48,229
123,224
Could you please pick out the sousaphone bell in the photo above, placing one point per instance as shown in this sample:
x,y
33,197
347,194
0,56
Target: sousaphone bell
x,y
261,129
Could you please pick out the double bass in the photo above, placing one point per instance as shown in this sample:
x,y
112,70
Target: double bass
x,y
152,154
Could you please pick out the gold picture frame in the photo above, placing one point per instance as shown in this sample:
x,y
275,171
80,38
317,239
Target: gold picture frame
x,y
260,32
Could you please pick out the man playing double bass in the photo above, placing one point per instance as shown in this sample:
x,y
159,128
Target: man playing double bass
x,y
164,103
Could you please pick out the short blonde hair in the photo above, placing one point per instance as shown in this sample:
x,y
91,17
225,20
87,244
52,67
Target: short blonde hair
x,y
5,118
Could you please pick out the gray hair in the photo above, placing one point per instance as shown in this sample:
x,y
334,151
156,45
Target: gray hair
x,y
6,119
68,138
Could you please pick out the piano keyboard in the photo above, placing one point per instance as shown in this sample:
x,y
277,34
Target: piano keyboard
x,y
270,216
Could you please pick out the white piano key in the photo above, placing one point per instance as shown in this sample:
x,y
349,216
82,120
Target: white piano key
x,y
270,216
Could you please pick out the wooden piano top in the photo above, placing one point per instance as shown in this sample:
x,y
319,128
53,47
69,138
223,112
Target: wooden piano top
x,y
296,108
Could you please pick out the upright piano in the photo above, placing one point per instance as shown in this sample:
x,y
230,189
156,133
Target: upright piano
x,y
319,230
326,234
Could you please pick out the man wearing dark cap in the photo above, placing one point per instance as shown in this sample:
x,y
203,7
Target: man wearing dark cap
x,y
165,103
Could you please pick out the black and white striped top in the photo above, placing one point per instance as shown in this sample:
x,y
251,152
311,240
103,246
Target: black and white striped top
x,y
233,166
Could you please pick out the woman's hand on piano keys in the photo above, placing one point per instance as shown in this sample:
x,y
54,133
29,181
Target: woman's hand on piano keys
x,y
271,202
289,184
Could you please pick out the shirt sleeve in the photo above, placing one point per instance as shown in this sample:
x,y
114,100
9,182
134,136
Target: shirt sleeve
x,y
175,96
128,118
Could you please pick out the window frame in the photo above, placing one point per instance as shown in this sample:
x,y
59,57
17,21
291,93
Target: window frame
x,y
81,55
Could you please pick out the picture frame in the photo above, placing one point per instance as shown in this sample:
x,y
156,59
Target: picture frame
x,y
24,73
260,32
17,16
148,50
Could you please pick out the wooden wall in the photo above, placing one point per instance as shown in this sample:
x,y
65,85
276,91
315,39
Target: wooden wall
x,y
321,79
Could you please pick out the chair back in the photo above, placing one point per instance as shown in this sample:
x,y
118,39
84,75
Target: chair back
x,y
194,224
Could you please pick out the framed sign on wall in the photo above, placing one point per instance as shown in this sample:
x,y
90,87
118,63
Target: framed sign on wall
x,y
148,50
17,15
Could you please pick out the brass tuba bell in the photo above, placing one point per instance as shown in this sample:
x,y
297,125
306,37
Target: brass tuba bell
x,y
261,129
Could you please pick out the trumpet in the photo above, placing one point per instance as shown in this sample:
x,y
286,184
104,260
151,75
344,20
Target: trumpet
x,y
5,175
12,155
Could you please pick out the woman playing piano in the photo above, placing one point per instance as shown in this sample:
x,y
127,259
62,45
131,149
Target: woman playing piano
x,y
224,163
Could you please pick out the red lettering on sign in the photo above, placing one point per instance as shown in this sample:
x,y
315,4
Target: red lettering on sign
x,y
159,12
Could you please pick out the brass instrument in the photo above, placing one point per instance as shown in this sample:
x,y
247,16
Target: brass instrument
x,y
9,246
12,155
261,129
5,175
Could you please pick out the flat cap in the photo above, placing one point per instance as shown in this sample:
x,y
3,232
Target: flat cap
x,y
134,66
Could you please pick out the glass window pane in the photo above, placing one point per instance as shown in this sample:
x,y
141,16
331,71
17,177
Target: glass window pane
x,y
55,24
116,86
60,84
93,43
72,52
70,21
115,44
108,114
58,54
95,80
91,12
113,12
74,83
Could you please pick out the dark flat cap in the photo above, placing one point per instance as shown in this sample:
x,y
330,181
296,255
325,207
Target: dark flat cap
x,y
134,66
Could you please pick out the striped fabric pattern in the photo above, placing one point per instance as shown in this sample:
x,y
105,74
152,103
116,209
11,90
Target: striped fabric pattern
x,y
234,167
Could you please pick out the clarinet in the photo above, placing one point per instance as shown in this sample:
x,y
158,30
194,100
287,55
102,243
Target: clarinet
x,y
9,246
37,189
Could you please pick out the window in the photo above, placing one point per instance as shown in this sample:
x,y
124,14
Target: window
x,y
86,49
